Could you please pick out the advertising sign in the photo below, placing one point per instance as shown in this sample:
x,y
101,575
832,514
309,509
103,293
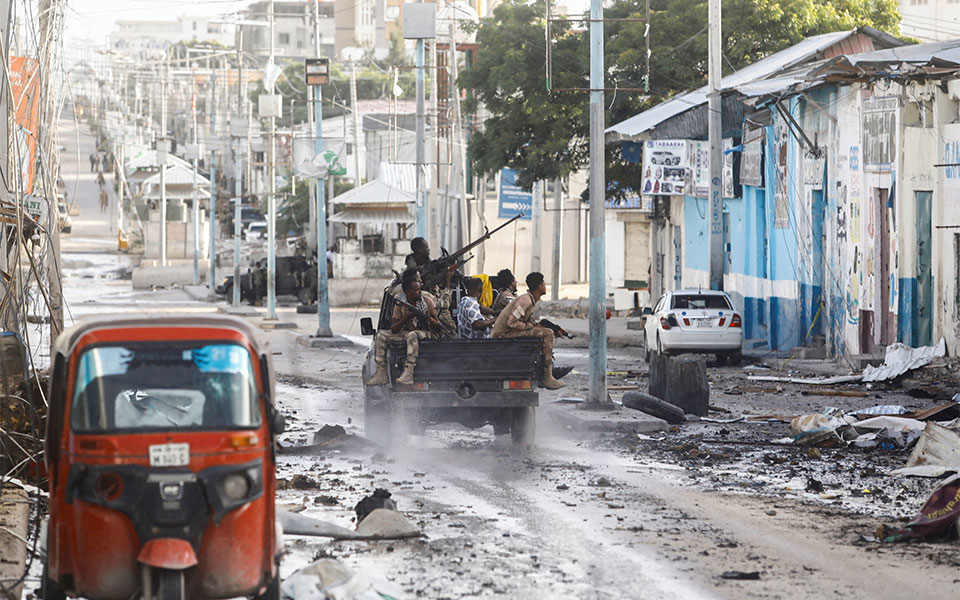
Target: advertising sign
x,y
25,85
751,163
665,164
700,159
513,199
879,132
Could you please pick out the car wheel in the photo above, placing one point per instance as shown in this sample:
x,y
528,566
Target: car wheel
x,y
660,347
644,350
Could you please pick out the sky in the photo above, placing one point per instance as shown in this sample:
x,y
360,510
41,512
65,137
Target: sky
x,y
94,19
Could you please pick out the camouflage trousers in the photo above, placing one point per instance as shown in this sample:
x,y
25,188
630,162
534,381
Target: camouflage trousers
x,y
541,332
385,336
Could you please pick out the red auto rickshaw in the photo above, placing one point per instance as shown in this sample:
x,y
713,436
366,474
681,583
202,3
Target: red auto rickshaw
x,y
160,453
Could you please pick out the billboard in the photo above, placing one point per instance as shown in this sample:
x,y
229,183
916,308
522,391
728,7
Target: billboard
x,y
512,199
879,133
25,86
665,164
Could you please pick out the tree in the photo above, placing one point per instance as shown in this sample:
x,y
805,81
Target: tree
x,y
544,135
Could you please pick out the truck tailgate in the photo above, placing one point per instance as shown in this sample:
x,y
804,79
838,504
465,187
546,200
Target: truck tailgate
x,y
471,360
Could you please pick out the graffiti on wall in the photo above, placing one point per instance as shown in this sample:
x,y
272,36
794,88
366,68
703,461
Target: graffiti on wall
x,y
855,233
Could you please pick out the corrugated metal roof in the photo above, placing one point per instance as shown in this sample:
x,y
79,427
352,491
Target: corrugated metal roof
x,y
937,53
373,215
377,191
642,126
399,175
178,175
148,158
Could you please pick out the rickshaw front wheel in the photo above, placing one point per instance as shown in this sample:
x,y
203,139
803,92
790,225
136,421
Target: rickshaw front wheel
x,y
170,585
50,589
273,590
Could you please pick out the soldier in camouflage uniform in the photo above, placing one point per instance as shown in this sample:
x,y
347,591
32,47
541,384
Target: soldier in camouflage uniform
x,y
406,326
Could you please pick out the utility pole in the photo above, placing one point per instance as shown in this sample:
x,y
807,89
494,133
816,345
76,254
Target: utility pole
x,y
195,154
598,277
356,120
715,130
437,214
557,237
212,276
238,189
121,179
536,243
421,218
163,146
457,129
272,198
323,292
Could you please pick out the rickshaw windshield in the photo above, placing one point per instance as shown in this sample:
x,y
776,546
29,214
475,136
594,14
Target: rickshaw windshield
x,y
155,386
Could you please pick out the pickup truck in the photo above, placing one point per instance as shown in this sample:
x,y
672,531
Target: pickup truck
x,y
471,382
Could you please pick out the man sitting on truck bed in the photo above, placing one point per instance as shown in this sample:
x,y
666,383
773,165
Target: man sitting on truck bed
x,y
471,323
406,326
507,292
516,320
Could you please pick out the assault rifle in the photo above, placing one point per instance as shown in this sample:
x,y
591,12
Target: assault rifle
x,y
557,330
434,273
431,323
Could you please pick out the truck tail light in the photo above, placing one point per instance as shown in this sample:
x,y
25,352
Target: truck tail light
x,y
421,387
518,384
735,321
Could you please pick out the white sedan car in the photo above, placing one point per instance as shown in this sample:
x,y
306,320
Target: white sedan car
x,y
699,321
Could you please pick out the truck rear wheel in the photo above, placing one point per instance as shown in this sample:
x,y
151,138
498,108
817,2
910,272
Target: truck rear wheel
x,y
523,430
376,422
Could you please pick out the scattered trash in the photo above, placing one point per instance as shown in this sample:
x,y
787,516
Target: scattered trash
x,y
384,527
379,499
844,393
937,452
745,575
937,519
884,409
329,579
330,437
901,358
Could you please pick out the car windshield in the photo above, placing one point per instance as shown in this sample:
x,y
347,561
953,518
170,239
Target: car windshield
x,y
162,386
686,301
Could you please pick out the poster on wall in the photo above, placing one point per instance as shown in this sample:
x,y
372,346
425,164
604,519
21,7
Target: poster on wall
x,y
700,164
781,215
879,132
665,164
751,163
25,88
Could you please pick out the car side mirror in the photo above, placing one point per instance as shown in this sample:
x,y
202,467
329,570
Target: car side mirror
x,y
277,423
646,311
366,326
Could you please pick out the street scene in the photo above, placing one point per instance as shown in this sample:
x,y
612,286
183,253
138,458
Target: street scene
x,y
326,299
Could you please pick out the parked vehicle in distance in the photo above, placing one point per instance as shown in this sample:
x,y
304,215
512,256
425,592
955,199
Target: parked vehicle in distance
x,y
63,218
249,214
693,321
256,230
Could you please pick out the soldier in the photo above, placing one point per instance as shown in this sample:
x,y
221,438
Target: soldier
x,y
508,291
419,253
406,326
516,320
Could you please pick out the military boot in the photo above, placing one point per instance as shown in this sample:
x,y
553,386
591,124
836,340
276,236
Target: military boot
x,y
406,377
547,380
380,377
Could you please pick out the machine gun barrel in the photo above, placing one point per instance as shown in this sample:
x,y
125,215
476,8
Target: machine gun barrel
x,y
486,236
434,271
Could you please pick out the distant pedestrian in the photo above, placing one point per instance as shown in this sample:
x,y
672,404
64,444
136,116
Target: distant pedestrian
x,y
100,179
93,162
104,200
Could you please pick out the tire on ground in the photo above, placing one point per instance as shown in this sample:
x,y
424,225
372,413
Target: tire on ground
x,y
653,406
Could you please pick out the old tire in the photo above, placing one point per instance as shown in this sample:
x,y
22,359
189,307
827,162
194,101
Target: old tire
x,y
170,585
305,297
273,590
523,430
653,406
644,350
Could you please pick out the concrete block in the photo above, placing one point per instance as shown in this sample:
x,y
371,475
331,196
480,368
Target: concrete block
x,y
356,291
576,418
14,518
146,277
681,381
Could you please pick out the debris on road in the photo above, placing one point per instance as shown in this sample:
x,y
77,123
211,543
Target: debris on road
x,y
380,498
901,358
653,406
329,579
937,519
387,524
743,575
330,437
937,452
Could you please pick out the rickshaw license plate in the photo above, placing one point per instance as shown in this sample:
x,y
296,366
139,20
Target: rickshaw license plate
x,y
169,455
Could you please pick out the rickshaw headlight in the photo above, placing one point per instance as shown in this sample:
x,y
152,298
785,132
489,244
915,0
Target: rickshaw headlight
x,y
236,486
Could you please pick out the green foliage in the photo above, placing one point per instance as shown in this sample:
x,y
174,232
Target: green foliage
x,y
543,135
374,81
